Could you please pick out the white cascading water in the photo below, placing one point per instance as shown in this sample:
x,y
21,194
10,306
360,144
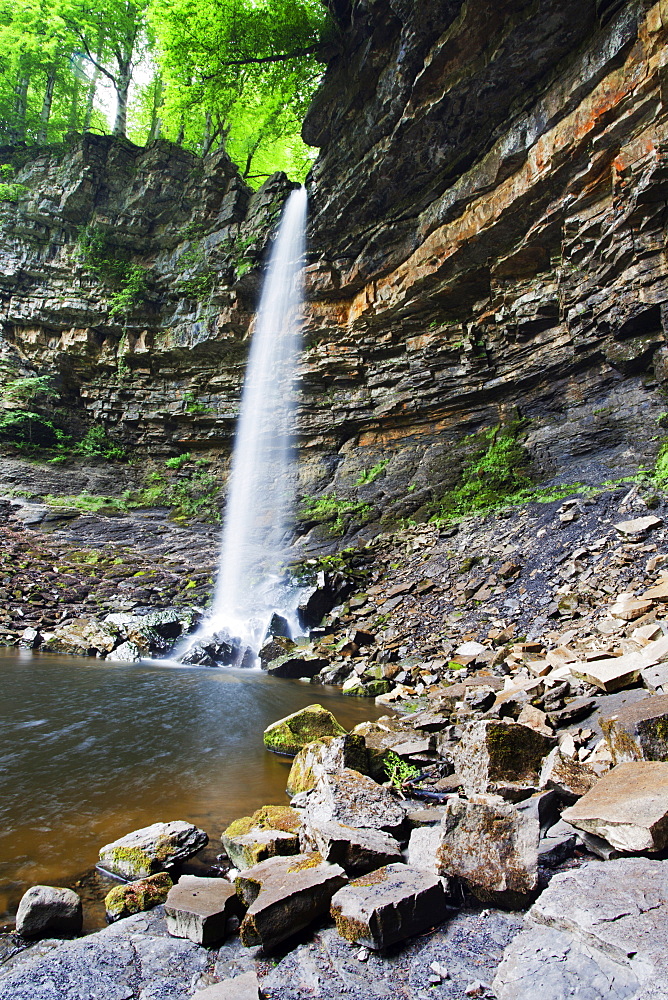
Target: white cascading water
x,y
262,479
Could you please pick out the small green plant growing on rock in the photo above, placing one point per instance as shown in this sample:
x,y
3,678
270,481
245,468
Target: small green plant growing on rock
x,y
329,507
177,461
398,771
371,475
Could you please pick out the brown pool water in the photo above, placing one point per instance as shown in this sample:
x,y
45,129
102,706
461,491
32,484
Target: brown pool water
x,y
91,750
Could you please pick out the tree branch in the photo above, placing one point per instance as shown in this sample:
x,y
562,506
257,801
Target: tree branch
x,y
256,60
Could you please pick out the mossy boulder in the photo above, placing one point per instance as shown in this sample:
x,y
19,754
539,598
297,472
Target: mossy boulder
x,y
270,832
328,755
291,734
152,849
134,897
497,756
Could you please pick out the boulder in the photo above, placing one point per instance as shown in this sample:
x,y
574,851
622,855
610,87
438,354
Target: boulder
x,y
127,652
136,897
569,777
389,905
49,911
492,846
639,731
296,664
628,807
500,756
355,800
357,850
83,637
270,831
152,849
382,742
328,755
220,649
291,734
621,671
284,895
274,647
199,908
596,932
423,847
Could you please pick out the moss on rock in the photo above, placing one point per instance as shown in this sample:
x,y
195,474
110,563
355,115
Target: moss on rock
x,y
290,734
135,897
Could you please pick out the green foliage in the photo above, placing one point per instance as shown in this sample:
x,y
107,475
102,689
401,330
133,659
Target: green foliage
x,y
12,191
96,444
131,293
329,507
90,503
660,474
177,461
194,495
193,406
371,475
397,770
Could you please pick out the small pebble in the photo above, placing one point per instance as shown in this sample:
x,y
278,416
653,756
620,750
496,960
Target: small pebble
x,y
362,955
440,970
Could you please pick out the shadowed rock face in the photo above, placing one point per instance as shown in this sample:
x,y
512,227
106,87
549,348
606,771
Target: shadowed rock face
x,y
486,242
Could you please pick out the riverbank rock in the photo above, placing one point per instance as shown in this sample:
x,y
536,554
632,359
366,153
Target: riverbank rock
x,y
596,932
49,911
295,664
500,756
327,755
135,897
353,799
199,908
356,850
284,895
639,731
628,807
389,905
291,734
492,846
83,637
152,849
270,831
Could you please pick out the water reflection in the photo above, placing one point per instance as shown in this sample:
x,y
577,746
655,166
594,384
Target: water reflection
x,y
90,751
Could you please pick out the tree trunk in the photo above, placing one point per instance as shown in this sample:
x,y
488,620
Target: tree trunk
x,y
73,118
47,104
156,124
122,85
20,108
92,86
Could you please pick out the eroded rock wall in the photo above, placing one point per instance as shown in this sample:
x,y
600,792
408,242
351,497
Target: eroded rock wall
x,y
487,242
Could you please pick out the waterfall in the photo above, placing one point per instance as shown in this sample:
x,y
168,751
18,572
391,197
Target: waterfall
x,y
262,478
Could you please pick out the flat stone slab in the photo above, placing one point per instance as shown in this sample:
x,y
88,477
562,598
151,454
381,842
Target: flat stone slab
x,y
389,905
628,807
284,895
356,850
570,778
152,849
639,525
199,908
132,958
243,987
621,671
596,932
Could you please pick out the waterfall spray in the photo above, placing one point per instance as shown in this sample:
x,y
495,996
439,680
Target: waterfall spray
x,y
262,479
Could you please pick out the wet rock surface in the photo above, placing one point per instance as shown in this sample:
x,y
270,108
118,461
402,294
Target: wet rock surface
x,y
152,849
45,910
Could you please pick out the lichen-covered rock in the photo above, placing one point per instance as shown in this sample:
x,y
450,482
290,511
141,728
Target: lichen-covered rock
x,y
389,905
270,831
296,664
569,777
135,897
290,734
628,807
329,754
199,908
355,800
492,846
499,756
83,637
284,895
49,911
152,849
638,731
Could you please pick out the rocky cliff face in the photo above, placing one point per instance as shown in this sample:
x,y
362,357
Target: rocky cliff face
x,y
487,243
